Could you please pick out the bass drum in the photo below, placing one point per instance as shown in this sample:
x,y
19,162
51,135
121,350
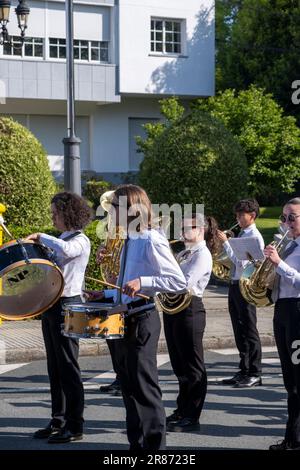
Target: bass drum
x,y
30,282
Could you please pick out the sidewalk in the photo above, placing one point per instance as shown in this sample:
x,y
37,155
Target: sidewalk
x,y
22,341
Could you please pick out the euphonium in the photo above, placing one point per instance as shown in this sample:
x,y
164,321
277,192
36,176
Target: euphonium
x,y
258,277
221,262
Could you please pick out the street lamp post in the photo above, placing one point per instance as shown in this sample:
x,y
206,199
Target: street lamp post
x,y
22,11
72,173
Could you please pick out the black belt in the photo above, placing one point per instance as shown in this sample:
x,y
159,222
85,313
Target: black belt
x,y
139,303
234,281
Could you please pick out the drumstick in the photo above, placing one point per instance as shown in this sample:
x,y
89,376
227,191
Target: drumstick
x,y
116,287
5,228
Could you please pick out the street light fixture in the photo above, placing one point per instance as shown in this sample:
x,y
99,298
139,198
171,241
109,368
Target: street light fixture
x,y
22,11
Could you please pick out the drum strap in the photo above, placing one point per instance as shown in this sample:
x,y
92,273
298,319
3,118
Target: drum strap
x,y
72,235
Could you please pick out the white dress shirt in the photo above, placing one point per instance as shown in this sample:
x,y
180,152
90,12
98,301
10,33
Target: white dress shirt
x,y
289,271
72,257
250,231
150,259
196,267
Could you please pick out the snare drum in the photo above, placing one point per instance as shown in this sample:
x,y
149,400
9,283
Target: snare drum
x,y
92,320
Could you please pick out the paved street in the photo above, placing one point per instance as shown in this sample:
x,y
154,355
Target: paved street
x,y
232,418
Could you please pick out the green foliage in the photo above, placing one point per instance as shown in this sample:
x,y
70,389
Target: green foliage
x,y
258,43
194,160
94,189
270,140
26,183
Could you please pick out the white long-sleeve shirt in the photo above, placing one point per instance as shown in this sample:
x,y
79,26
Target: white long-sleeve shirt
x,y
197,267
289,271
72,257
150,259
250,231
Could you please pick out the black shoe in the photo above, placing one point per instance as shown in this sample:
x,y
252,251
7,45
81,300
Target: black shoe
x,y
110,388
46,432
235,379
184,425
283,445
174,417
249,381
64,435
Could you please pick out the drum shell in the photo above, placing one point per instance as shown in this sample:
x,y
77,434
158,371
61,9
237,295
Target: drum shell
x,y
13,260
82,321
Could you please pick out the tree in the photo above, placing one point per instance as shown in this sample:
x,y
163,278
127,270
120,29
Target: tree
x,y
258,43
193,159
270,140
26,183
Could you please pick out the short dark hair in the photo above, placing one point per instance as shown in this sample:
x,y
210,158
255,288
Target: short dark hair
x,y
247,205
74,209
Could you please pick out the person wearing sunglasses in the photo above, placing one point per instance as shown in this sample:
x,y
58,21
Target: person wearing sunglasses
x,y
286,295
184,331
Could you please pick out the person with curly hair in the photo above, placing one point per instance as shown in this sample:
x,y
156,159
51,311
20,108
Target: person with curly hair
x,y
70,214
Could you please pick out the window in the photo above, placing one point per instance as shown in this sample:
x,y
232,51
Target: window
x,y
57,48
94,51
99,51
166,36
32,47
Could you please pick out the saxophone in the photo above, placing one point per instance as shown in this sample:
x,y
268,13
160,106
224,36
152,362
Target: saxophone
x,y
258,277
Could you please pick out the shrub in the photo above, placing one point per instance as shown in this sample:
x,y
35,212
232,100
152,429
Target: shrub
x,y
194,160
26,183
94,189
270,140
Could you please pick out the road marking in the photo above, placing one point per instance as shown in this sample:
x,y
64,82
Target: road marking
x,y
8,367
231,351
91,384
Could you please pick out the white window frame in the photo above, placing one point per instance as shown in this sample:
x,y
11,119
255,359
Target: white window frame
x,y
16,40
182,42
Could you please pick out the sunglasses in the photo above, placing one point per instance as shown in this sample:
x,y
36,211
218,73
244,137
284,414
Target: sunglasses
x,y
289,218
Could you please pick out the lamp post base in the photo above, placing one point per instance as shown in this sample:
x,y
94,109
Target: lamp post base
x,y
72,172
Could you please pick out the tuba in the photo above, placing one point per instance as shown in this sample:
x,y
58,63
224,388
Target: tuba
x,y
258,277
221,263
170,302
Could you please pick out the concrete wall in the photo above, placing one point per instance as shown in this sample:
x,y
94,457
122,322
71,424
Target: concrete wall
x,y
143,72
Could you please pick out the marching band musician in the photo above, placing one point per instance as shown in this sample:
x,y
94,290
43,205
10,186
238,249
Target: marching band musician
x,y
286,295
184,330
147,266
70,214
242,313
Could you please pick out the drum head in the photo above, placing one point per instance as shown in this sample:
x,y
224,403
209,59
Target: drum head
x,y
28,289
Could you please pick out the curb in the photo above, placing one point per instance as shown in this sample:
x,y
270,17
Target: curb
x,y
14,356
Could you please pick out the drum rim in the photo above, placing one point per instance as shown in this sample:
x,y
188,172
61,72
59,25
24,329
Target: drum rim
x,y
14,242
42,310
31,261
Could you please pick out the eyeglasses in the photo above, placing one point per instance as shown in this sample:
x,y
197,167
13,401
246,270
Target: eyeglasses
x,y
289,218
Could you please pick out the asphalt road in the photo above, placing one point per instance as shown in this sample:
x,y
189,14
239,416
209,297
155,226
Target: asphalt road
x,y
231,418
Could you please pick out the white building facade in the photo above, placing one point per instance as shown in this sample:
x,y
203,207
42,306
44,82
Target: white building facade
x,y
128,55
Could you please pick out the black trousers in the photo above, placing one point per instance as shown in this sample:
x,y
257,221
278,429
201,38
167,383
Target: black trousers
x,y
115,348
286,331
67,395
145,415
243,319
184,333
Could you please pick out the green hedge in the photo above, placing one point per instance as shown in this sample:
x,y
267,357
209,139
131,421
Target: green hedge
x,y
26,183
